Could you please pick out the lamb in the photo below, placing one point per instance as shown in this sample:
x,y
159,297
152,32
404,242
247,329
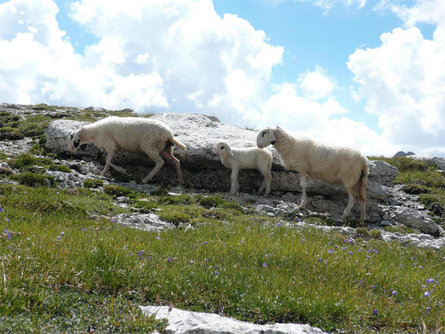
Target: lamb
x,y
330,164
245,158
130,134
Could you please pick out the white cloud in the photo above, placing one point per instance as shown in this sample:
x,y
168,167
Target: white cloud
x,y
403,80
327,5
316,85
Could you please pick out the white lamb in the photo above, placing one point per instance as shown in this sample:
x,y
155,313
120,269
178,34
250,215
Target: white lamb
x,y
245,158
334,165
130,134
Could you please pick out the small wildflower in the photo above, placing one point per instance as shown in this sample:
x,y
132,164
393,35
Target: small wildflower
x,y
367,256
84,229
62,233
140,254
191,261
7,219
394,293
330,251
158,238
9,235
429,280
320,260
59,237
350,252
360,282
216,273
303,240
426,294
428,309
375,312
169,259
372,287
265,265
205,242
278,224
1,209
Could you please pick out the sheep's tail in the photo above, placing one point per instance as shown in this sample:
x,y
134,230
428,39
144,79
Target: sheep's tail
x,y
177,143
363,181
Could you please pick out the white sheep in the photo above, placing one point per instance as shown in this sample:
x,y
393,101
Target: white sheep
x,y
330,164
245,158
130,134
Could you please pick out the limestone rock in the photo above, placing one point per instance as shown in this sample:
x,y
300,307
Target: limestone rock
x,y
185,322
418,220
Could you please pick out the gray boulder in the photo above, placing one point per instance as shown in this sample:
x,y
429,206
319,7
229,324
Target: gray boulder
x,y
418,220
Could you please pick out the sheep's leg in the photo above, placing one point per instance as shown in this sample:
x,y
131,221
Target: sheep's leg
x,y
234,178
159,163
362,211
175,162
350,203
118,168
303,192
110,156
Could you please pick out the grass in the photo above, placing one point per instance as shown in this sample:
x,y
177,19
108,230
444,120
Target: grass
x,y
66,271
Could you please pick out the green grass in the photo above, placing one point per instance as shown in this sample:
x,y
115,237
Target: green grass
x,y
95,273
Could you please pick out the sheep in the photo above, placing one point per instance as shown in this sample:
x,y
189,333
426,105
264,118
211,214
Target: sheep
x,y
245,158
330,164
130,134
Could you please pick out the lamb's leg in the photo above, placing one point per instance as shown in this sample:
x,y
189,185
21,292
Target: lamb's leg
x,y
159,163
351,200
266,182
175,162
363,211
234,178
303,192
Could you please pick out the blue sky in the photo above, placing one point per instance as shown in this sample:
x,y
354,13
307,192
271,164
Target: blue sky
x,y
362,73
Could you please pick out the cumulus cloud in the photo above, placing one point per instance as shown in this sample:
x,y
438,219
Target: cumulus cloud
x,y
316,85
403,80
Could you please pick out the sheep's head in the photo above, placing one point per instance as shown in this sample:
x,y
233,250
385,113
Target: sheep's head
x,y
74,141
265,138
222,149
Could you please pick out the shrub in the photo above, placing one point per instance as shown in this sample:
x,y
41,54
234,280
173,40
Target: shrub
x,y
34,180
60,168
175,217
415,189
362,232
93,183
376,234
116,191
26,160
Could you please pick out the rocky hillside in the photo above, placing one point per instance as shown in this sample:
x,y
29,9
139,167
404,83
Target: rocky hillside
x,y
42,130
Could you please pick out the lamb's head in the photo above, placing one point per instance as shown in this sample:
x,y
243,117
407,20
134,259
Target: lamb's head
x,y
222,149
74,141
265,138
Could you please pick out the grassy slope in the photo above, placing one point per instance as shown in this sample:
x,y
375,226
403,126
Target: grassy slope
x,y
61,270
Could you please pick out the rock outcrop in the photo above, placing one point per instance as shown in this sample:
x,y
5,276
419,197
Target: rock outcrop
x,y
186,322
203,170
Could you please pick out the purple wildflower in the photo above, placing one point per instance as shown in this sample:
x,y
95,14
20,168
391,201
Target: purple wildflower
x,y
140,254
394,293
9,235
216,273
205,242
62,233
1,209
429,280
303,240
350,252
278,224
428,309
375,312
320,260
330,251
169,259
265,265
426,294
84,229
59,237
372,287
158,238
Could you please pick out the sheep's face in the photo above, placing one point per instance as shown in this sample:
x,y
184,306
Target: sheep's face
x,y
222,148
265,138
74,141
